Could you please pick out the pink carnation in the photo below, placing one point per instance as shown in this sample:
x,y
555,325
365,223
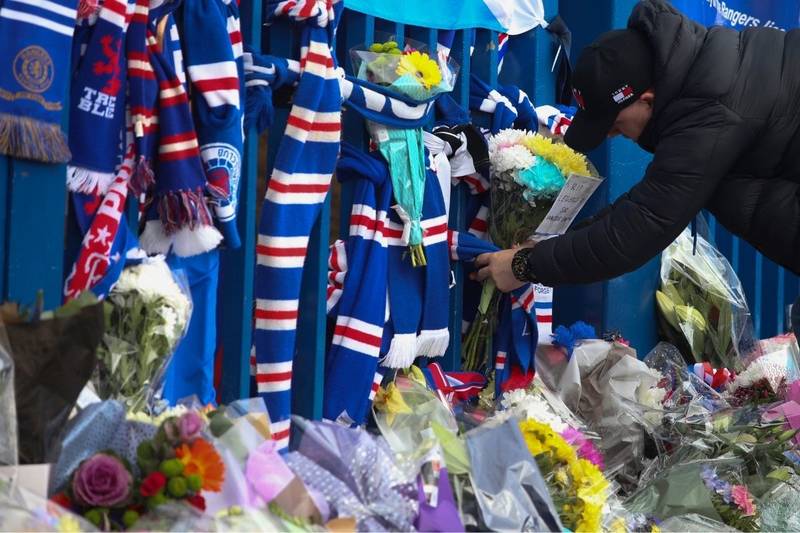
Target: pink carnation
x,y
741,497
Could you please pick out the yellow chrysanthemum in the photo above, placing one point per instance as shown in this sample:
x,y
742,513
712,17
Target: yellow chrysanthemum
x,y
585,485
422,67
562,156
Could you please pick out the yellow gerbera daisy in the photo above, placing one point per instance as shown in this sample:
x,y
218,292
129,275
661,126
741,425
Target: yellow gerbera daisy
x,y
422,67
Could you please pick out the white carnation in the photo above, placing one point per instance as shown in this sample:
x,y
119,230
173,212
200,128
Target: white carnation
x,y
530,406
515,157
505,138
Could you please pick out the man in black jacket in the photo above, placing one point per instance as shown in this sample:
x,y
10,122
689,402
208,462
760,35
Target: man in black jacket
x,y
720,111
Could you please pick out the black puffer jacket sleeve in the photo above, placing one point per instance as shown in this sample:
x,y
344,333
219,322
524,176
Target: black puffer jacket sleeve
x,y
699,142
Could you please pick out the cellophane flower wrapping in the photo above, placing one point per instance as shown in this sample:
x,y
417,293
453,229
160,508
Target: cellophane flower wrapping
x,y
714,489
8,411
147,314
357,473
408,414
773,367
410,71
22,510
507,482
54,357
702,306
528,171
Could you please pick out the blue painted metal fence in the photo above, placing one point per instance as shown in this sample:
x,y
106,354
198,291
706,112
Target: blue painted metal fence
x,y
34,234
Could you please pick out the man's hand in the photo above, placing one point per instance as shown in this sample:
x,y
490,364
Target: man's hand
x,y
497,266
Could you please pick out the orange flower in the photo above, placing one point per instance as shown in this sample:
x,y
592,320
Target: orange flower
x,y
202,459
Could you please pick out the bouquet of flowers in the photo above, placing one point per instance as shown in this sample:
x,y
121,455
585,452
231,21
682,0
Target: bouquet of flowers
x,y
409,71
717,492
528,172
702,306
768,376
175,466
407,77
147,313
578,487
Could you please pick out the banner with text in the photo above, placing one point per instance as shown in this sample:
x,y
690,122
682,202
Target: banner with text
x,y
741,14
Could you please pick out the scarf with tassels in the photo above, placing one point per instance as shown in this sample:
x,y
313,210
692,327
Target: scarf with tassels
x,y
299,184
178,218
357,297
97,102
35,44
418,297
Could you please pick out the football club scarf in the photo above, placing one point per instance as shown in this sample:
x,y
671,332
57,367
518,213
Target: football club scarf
x,y
34,55
459,386
520,325
263,75
213,74
299,184
142,97
108,241
97,102
419,297
526,113
491,101
178,219
191,368
361,311
556,118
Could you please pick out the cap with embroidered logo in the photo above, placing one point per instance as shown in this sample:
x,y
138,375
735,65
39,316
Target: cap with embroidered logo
x,y
611,73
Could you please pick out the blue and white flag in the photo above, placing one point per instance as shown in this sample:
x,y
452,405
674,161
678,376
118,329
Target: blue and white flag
x,y
741,14
506,16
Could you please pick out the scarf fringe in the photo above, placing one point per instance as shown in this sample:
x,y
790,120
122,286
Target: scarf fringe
x,y
188,242
182,209
26,138
185,242
154,240
87,181
432,343
143,176
402,351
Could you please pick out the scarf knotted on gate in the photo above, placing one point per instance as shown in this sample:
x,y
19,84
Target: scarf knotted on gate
x,y
97,102
358,304
299,184
34,61
518,329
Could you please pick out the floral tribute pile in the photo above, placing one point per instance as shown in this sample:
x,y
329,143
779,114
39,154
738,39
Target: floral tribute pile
x,y
176,465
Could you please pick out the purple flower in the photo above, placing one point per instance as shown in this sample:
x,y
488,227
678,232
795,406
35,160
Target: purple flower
x,y
715,483
101,481
190,426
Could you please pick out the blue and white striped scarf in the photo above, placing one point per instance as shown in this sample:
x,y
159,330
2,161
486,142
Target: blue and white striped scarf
x,y
299,184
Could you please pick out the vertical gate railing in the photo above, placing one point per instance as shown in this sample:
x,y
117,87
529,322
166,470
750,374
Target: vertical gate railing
x,y
37,241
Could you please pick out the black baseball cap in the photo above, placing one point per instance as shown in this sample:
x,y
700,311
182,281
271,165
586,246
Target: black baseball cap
x,y
610,75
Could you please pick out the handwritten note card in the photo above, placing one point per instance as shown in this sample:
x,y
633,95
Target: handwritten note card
x,y
573,196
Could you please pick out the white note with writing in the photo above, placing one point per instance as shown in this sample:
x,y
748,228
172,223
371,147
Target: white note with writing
x,y
573,196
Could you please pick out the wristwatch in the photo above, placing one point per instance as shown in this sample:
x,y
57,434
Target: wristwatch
x,y
520,266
